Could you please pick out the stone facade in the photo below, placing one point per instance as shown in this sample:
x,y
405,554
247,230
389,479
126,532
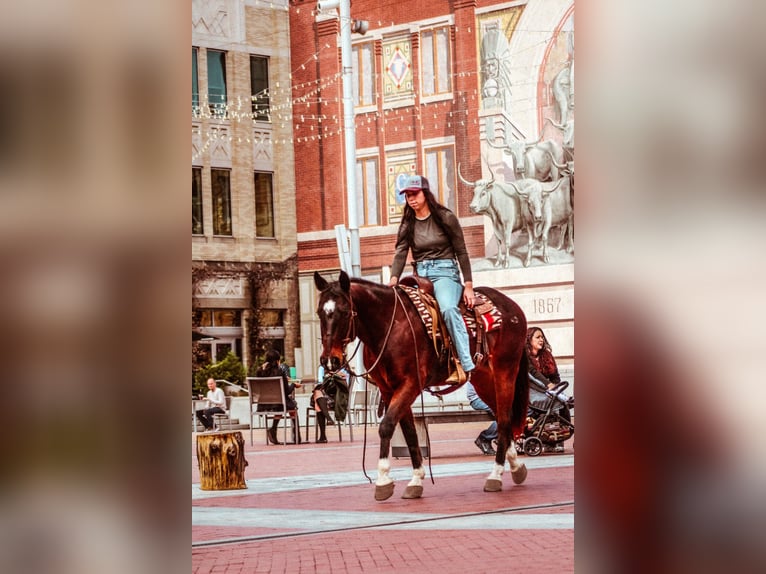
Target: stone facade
x,y
238,143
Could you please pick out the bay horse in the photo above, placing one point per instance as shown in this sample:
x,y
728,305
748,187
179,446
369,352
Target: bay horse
x,y
402,361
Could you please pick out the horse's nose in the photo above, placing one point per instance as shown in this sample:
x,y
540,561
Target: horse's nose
x,y
335,362
323,361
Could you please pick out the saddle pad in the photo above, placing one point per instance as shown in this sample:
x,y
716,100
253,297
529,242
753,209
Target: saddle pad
x,y
490,315
414,294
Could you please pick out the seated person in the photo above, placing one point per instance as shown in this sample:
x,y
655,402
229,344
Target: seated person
x,y
330,392
273,368
216,402
544,375
485,438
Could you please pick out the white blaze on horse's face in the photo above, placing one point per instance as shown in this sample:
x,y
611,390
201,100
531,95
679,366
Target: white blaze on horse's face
x,y
329,307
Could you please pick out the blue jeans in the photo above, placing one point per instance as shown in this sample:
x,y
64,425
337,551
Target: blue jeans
x,y
445,276
490,433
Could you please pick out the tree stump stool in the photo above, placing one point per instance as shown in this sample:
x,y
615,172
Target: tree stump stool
x,y
221,460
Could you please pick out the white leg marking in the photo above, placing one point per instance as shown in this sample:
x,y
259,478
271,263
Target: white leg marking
x,y
497,472
418,474
329,307
384,466
513,458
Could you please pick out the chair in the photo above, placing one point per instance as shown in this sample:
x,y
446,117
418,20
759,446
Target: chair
x,y
310,412
221,417
270,391
364,404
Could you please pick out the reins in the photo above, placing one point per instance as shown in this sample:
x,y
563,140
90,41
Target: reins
x,y
347,362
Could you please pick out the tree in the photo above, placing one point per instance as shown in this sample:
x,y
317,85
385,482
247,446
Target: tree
x,y
229,368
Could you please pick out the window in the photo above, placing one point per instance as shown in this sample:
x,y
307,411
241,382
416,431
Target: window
x,y
219,323
272,318
195,83
219,317
440,171
367,198
216,82
259,87
221,201
436,61
264,205
364,71
197,201
272,329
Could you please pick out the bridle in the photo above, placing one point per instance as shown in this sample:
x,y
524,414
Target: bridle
x,y
352,330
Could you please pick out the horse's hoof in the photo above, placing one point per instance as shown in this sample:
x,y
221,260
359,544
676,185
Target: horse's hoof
x,y
384,492
493,485
412,492
520,474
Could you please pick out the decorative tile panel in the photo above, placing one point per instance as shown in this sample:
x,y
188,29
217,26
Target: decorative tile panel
x,y
396,171
397,64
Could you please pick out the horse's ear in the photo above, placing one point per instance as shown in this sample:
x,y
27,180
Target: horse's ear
x,y
319,281
345,282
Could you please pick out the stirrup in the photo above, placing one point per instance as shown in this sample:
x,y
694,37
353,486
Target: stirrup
x,y
457,375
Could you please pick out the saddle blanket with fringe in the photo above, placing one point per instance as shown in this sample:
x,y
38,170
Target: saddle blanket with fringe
x,y
490,315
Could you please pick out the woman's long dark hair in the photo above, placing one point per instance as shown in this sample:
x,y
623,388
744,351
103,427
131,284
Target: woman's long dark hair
x,y
544,360
407,226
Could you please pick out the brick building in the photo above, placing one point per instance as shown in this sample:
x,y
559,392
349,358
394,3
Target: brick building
x,y
244,247
432,82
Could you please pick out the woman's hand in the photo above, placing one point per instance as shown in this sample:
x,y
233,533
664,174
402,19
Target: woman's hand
x,y
468,295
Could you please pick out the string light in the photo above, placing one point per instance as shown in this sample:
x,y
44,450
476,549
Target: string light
x,y
281,103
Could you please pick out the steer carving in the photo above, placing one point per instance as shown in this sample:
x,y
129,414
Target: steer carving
x,y
500,203
545,205
536,160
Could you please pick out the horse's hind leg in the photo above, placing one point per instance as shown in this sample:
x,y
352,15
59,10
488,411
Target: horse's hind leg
x,y
506,448
415,486
518,468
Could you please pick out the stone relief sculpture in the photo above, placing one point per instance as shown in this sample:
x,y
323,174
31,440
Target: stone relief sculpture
x,y
562,87
538,193
539,160
500,203
545,205
495,70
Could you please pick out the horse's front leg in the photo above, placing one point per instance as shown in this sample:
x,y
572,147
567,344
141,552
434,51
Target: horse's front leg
x,y
384,485
397,409
415,486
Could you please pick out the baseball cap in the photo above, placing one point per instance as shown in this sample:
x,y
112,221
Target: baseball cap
x,y
413,182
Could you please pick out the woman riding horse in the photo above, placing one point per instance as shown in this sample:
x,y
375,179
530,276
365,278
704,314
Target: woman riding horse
x,y
401,362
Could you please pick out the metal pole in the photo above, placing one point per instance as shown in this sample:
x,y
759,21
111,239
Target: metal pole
x,y
349,128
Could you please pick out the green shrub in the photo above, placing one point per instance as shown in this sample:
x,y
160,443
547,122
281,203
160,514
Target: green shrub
x,y
229,368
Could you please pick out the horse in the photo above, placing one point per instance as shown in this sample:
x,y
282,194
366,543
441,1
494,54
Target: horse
x,y
402,361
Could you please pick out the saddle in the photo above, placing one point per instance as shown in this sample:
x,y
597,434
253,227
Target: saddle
x,y
483,318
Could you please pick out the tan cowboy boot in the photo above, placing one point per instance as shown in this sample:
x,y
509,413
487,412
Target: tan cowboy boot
x,y
457,375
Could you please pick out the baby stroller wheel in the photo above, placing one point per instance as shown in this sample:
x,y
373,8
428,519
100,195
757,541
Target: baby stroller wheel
x,y
533,446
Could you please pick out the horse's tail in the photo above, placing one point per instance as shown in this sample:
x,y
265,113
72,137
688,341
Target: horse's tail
x,y
520,397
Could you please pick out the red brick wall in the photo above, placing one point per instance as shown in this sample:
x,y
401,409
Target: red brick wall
x,y
320,170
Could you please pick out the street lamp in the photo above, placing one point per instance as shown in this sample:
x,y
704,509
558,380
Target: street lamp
x,y
347,27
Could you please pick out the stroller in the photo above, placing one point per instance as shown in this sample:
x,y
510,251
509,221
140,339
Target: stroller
x,y
548,419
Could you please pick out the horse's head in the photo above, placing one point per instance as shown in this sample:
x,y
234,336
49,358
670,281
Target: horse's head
x,y
336,319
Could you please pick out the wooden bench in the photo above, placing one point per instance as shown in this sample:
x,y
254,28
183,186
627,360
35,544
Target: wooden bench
x,y
422,419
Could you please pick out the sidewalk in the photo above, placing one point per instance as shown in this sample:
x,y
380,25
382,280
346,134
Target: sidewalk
x,y
309,508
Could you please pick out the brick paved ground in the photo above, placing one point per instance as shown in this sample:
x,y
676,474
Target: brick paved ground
x,y
309,508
